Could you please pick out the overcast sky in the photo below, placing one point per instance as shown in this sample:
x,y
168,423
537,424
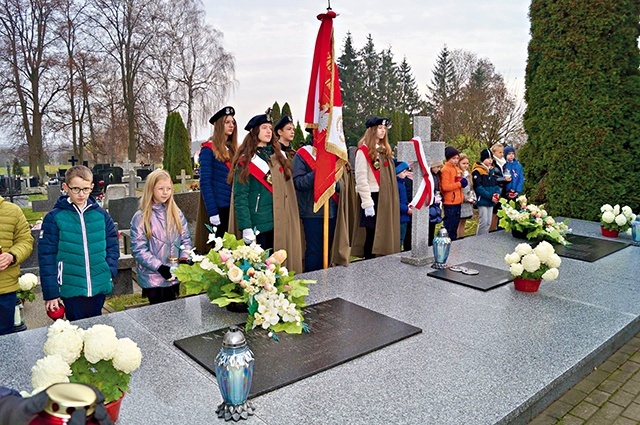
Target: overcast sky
x,y
273,41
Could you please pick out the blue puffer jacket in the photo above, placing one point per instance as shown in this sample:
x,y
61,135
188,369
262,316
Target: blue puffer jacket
x,y
303,177
517,176
152,253
404,201
77,250
485,184
213,181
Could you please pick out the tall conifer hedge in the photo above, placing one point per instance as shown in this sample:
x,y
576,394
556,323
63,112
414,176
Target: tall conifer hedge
x,y
177,147
583,106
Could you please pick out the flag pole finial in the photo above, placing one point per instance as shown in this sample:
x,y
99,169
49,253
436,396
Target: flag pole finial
x,y
329,5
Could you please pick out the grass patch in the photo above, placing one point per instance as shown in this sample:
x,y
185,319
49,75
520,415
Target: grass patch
x,y
31,216
119,302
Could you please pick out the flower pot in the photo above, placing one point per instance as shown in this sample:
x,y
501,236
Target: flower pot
x,y
526,285
609,233
113,408
238,307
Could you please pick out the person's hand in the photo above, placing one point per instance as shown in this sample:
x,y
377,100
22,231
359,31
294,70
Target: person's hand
x,y
52,304
5,260
248,236
495,198
410,175
165,271
410,210
369,212
16,410
215,220
512,194
464,182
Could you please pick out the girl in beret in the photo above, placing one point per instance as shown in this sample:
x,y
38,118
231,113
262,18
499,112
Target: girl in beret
x,y
215,162
264,199
376,185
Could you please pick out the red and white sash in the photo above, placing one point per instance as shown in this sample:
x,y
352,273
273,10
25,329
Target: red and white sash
x,y
376,173
424,194
259,169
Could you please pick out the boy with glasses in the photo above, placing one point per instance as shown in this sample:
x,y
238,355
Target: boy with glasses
x,y
78,250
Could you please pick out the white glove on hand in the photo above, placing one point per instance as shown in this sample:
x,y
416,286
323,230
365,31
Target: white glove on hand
x,y
369,212
215,220
248,236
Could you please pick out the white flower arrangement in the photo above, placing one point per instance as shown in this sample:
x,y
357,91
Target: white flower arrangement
x,y
616,218
94,356
233,272
540,262
531,220
27,283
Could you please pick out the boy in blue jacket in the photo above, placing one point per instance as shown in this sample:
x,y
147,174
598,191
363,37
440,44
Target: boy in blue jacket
x,y
516,185
402,171
78,250
487,190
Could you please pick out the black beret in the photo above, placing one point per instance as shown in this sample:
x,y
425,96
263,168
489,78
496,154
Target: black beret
x,y
227,110
375,121
258,120
286,119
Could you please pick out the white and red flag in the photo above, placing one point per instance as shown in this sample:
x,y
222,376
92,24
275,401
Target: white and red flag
x,y
324,114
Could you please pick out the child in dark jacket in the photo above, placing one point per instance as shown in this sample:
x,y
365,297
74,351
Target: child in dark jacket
x,y
78,250
402,170
516,185
487,190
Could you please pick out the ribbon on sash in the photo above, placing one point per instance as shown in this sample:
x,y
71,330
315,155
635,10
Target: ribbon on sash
x,y
259,169
424,194
374,170
308,156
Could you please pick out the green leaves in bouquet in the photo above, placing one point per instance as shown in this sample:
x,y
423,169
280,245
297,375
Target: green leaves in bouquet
x,y
102,375
226,294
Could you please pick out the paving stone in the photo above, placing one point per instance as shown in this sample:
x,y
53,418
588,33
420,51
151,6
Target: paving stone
x,y
632,412
587,385
623,421
573,397
605,415
558,409
608,366
635,357
609,386
636,377
544,420
619,357
630,366
571,420
584,410
628,349
632,387
621,375
598,375
622,398
597,398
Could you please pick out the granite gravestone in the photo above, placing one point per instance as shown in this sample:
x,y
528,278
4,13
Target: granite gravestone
x,y
113,192
46,205
339,331
420,253
122,210
584,248
487,278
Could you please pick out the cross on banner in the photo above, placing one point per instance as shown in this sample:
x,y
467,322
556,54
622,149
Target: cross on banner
x,y
73,160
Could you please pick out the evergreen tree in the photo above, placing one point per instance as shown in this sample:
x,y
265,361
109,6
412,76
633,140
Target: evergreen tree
x,y
168,139
275,112
286,110
298,137
441,97
177,146
17,168
371,75
409,100
388,85
583,106
351,86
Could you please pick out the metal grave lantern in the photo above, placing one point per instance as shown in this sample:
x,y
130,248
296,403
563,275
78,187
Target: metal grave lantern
x,y
441,247
635,231
234,372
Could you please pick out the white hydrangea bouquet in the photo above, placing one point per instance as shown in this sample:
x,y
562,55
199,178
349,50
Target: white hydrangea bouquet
x,y
616,218
540,262
233,272
94,356
27,283
531,220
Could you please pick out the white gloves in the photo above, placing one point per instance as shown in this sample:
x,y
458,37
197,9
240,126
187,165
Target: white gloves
x,y
248,236
369,212
215,220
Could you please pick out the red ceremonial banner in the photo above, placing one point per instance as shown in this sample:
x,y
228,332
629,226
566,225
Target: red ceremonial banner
x,y
324,114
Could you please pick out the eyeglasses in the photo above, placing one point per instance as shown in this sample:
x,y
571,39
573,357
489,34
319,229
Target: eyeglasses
x,y
80,189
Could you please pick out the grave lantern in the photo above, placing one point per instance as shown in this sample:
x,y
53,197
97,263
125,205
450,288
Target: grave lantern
x,y
234,372
635,231
441,247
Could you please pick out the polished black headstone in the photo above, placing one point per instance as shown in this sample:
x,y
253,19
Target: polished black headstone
x,y
340,331
488,278
588,249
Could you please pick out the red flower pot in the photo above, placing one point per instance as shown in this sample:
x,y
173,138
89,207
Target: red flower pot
x,y
113,409
609,233
527,285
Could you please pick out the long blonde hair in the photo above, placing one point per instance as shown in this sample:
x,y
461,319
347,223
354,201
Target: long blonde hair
x,y
370,139
146,202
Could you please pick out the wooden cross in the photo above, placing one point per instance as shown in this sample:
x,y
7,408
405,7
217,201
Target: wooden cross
x,y
73,160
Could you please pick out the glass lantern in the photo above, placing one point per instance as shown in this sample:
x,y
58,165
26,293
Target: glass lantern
x,y
635,231
441,247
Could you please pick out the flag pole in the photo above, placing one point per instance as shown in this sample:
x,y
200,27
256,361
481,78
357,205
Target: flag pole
x,y
325,237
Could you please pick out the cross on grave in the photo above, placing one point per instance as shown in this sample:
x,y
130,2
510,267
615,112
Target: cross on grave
x,y
132,183
126,164
73,160
183,181
420,255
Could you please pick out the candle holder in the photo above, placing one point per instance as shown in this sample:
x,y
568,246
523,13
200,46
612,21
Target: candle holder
x,y
635,231
234,372
18,317
441,247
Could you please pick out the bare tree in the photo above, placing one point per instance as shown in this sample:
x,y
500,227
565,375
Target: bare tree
x,y
29,57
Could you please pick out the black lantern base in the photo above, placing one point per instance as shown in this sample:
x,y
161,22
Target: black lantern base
x,y
235,412
21,327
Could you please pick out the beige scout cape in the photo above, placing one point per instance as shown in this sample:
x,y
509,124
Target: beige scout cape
x,y
286,218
